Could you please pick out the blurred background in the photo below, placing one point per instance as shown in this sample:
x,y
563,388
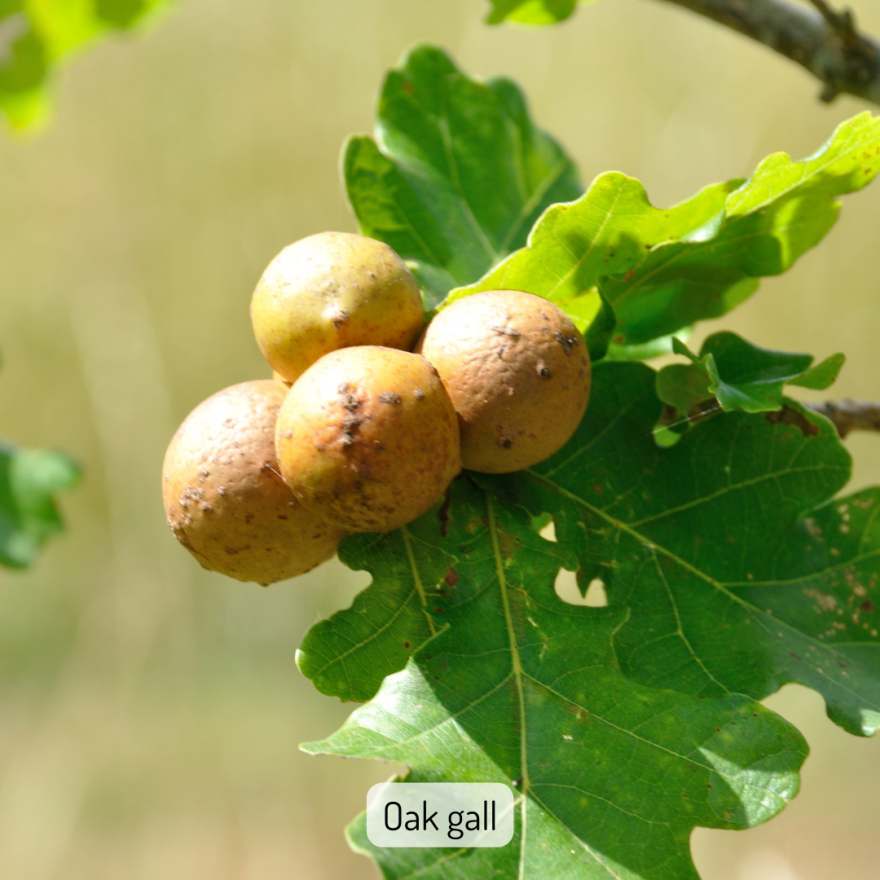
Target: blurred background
x,y
150,712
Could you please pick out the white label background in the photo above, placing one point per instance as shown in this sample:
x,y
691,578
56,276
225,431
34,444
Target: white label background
x,y
447,800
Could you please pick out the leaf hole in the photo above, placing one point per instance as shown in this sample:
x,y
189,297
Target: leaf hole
x,y
567,589
548,532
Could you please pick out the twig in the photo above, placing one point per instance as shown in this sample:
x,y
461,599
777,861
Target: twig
x,y
826,42
850,415
842,23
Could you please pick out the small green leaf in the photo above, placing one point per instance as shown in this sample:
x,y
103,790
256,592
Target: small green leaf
x,y
823,375
647,350
29,478
536,12
740,375
458,172
683,386
524,689
784,209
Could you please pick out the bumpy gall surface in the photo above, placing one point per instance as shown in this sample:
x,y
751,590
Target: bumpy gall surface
x,y
518,372
330,291
224,496
369,437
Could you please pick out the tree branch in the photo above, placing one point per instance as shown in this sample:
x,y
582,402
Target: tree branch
x,y
850,415
826,42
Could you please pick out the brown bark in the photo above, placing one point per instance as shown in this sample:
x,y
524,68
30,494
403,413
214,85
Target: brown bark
x,y
824,42
850,415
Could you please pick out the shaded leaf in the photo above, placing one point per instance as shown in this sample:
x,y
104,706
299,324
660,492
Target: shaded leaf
x,y
29,480
523,689
458,172
594,316
418,572
739,572
740,375
683,387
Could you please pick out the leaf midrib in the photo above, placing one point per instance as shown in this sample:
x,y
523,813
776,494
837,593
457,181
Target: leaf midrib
x,y
518,678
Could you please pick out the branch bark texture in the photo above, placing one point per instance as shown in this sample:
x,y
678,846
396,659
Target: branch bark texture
x,y
826,43
850,415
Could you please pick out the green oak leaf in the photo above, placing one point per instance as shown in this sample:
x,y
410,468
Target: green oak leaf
x,y
785,208
418,572
740,572
741,376
457,174
40,35
524,689
29,478
663,270
823,375
610,230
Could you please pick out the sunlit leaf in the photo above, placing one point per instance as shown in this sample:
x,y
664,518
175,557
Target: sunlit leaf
x,y
784,209
532,11
609,231
663,270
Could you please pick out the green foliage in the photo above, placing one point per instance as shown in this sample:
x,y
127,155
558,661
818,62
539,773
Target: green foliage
x,y
29,478
729,565
740,375
348,655
738,573
784,209
531,11
601,759
607,232
458,172
664,270
39,34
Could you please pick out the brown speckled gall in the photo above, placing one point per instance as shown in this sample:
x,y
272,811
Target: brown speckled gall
x,y
518,372
224,496
369,437
330,291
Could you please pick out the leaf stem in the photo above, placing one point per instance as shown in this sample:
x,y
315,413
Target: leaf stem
x,y
517,673
407,541
840,22
849,415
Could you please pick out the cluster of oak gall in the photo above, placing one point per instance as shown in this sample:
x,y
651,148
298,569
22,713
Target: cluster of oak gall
x,y
370,415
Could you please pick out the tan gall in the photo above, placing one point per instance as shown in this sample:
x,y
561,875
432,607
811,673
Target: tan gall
x,y
224,496
518,372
